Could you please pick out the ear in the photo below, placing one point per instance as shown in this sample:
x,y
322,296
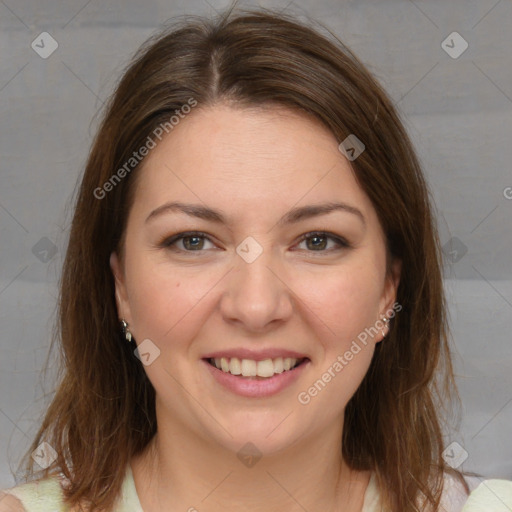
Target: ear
x,y
388,299
123,306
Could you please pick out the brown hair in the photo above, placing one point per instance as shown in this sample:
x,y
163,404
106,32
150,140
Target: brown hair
x,y
103,412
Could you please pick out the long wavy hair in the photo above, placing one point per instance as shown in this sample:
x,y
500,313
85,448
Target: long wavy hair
x,y
103,410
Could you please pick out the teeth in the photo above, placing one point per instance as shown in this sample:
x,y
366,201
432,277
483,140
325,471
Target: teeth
x,y
235,367
224,364
251,368
278,365
265,368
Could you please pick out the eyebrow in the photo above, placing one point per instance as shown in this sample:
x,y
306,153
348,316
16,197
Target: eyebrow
x,y
293,216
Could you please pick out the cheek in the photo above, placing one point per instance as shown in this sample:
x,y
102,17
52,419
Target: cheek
x,y
164,304
345,301
344,305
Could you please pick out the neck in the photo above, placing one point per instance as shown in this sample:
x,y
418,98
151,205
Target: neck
x,y
181,471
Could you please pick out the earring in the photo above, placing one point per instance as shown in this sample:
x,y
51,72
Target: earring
x,y
126,331
386,321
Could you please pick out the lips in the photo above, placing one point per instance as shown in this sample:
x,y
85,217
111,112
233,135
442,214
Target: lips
x,y
255,386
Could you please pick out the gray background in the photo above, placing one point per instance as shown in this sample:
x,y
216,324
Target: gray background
x,y
457,110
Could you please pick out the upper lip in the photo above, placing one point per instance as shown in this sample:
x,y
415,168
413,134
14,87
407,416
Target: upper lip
x,y
256,355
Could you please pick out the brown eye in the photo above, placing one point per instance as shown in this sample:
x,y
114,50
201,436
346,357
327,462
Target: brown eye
x,y
319,242
187,242
316,242
193,242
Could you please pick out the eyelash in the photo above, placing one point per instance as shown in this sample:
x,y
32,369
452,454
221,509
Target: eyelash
x,y
168,243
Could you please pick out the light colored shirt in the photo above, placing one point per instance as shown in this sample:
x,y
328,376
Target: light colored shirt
x,y
46,495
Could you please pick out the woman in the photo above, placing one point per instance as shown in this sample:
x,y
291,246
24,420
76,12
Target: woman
x,y
254,217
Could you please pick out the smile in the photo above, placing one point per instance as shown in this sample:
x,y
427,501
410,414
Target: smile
x,y
255,378
252,368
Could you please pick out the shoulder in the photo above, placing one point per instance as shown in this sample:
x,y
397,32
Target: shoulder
x,y
36,496
490,495
484,495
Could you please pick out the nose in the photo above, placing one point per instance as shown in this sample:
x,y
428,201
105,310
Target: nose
x,y
256,295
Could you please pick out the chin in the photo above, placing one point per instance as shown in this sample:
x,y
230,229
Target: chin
x,y
266,434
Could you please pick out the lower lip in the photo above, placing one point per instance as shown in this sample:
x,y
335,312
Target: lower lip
x,y
256,388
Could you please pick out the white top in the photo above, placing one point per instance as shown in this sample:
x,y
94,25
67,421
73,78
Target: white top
x,y
46,495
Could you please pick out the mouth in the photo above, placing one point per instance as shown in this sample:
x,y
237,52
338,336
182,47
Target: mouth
x,y
256,370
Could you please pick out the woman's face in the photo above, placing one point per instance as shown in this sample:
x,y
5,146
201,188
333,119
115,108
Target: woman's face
x,y
248,290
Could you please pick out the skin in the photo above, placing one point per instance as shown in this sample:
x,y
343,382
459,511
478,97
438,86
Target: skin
x,y
293,296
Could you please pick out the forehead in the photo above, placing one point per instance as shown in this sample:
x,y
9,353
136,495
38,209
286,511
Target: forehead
x,y
243,158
